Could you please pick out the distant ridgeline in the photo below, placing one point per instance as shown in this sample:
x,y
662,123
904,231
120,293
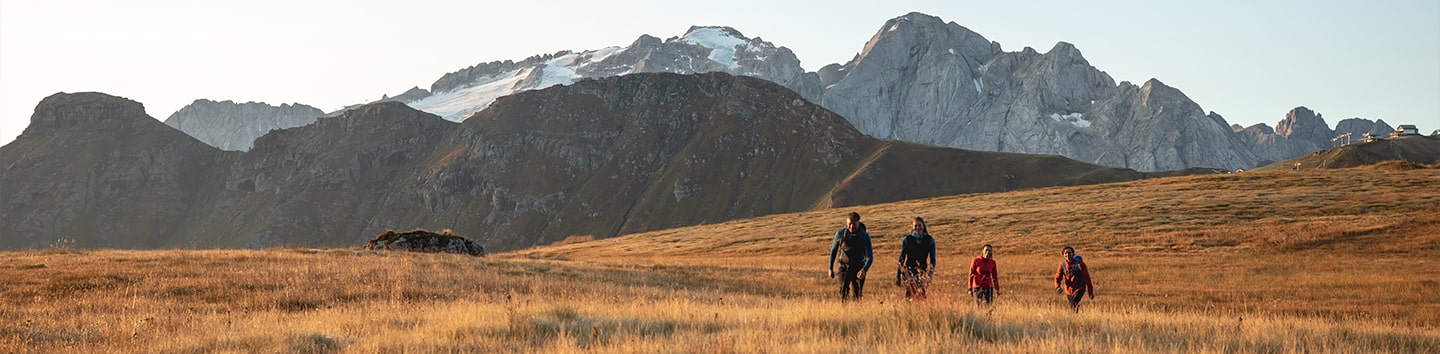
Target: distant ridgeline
x,y
599,157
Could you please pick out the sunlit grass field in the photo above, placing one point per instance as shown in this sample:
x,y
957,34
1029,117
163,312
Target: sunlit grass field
x,y
1325,261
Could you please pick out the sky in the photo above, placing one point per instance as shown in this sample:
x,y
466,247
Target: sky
x,y
1250,61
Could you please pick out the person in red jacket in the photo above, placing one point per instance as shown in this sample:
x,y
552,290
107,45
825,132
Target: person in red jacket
x,y
1074,278
984,278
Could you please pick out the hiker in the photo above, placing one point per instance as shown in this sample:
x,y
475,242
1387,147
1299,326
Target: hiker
x,y
984,278
1074,277
915,249
853,245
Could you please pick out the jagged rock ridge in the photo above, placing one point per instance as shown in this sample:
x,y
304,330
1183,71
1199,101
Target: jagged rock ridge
x,y
234,126
923,80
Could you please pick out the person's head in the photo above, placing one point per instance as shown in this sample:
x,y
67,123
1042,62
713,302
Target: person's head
x,y
1069,252
852,223
987,251
918,227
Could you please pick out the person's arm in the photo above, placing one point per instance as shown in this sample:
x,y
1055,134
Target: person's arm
x,y
1059,276
834,246
970,279
869,252
1089,289
995,274
932,256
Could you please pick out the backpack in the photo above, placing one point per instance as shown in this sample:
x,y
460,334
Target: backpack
x,y
1074,267
852,246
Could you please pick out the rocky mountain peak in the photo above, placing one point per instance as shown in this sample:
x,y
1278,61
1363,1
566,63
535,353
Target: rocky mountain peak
x,y
87,110
916,15
1261,127
916,21
413,94
1302,123
1358,127
1155,91
91,159
646,40
1065,50
932,35
725,31
234,126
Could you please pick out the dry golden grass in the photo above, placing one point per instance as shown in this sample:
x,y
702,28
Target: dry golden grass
x,y
367,301
1336,261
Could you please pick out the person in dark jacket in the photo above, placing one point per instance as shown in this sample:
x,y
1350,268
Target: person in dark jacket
x,y
984,277
852,244
915,249
1073,279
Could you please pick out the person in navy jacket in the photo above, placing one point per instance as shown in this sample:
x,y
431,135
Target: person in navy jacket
x,y
852,244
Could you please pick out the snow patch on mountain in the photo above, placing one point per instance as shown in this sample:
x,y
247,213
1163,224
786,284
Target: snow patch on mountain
x,y
1077,119
456,105
559,71
722,45
460,104
595,56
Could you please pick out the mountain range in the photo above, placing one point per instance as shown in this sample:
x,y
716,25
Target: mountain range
x,y
921,79
598,157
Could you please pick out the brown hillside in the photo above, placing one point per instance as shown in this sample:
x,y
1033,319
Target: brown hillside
x,y
1424,150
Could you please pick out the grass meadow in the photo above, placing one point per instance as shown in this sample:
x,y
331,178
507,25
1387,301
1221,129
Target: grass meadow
x,y
1274,262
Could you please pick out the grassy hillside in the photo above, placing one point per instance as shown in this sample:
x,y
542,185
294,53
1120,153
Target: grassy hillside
x,y
1372,210
1421,150
1322,261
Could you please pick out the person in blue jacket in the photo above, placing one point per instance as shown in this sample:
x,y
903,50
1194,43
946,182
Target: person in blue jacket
x,y
852,243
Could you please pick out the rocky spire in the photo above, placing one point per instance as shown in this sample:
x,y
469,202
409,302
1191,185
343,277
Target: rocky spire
x,y
1303,124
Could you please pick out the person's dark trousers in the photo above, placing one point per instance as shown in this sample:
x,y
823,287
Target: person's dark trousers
x,y
1075,299
984,295
850,280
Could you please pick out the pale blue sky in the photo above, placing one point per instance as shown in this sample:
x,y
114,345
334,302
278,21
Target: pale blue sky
x,y
1249,62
